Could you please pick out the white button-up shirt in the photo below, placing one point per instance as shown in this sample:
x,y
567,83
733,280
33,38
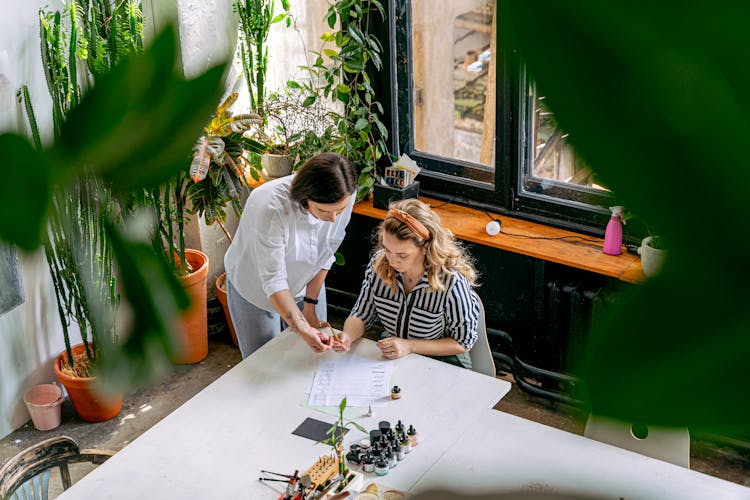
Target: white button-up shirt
x,y
280,246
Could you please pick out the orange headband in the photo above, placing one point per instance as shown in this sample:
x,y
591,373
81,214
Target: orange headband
x,y
416,227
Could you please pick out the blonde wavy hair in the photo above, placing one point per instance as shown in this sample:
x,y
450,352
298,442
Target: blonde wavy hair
x,y
445,255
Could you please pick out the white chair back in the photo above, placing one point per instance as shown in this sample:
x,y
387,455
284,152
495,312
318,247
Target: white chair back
x,y
480,354
668,444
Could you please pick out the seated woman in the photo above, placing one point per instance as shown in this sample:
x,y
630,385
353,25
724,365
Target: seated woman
x,y
418,286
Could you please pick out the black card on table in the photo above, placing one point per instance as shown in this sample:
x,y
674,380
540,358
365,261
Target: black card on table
x,y
315,429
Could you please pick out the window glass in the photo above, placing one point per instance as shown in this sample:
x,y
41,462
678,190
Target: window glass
x,y
552,166
455,109
453,74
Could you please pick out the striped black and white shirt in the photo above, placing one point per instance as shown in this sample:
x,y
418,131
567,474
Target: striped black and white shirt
x,y
423,313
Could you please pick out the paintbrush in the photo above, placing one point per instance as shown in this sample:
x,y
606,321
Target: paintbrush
x,y
325,324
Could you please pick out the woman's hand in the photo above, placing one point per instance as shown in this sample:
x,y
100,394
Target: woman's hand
x,y
343,343
317,340
394,347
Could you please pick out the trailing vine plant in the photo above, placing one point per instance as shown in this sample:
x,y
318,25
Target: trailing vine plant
x,y
341,73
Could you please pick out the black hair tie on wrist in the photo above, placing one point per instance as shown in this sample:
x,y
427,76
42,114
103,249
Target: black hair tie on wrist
x,y
310,301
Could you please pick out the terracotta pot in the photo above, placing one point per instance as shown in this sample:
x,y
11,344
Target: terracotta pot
x,y
221,294
89,404
191,345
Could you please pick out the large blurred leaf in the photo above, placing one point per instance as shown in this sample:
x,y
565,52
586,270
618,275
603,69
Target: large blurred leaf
x,y
24,192
135,128
151,300
138,125
655,98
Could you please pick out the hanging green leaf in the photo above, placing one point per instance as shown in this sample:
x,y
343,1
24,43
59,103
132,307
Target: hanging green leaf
x,y
134,131
24,191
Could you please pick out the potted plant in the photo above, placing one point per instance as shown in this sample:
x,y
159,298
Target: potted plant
x,y
293,131
78,251
78,183
218,174
653,247
256,18
653,252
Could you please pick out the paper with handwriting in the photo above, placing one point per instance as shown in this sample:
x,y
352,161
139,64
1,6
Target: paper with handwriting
x,y
364,382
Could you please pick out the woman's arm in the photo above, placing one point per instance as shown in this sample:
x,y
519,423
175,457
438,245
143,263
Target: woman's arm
x,y
313,290
461,320
395,347
285,305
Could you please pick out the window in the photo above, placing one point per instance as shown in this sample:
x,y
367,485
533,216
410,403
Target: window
x,y
479,130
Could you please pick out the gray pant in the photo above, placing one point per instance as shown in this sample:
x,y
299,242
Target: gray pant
x,y
256,326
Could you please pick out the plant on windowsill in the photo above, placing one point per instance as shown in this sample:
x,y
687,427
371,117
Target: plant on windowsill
x,y
653,252
653,247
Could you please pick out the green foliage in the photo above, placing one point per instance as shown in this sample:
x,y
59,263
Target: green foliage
x,y
130,132
341,72
76,246
336,435
340,260
654,96
219,163
256,18
25,191
109,35
294,129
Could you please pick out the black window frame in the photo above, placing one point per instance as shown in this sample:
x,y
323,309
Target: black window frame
x,y
511,147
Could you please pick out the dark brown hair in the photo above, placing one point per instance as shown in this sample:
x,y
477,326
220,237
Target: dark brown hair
x,y
324,178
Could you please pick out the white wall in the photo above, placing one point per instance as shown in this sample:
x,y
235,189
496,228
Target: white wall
x,y
30,334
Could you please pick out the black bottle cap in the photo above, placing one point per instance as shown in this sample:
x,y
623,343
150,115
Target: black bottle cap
x,y
375,436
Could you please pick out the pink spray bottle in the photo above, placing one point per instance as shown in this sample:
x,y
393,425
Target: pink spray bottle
x,y
613,233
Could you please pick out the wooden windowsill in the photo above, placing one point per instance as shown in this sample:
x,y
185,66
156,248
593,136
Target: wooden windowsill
x,y
469,224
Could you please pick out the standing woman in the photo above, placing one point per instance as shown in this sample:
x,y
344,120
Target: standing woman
x,y
285,243
418,286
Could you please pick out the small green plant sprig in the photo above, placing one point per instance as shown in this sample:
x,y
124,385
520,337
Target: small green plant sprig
x,y
336,437
341,72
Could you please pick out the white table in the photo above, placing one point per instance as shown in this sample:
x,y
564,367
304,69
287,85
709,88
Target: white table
x,y
215,445
501,452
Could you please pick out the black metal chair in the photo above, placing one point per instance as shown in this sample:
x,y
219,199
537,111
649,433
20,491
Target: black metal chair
x,y
27,475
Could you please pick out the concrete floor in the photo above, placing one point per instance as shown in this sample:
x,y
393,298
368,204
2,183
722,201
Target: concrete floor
x,y
145,407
